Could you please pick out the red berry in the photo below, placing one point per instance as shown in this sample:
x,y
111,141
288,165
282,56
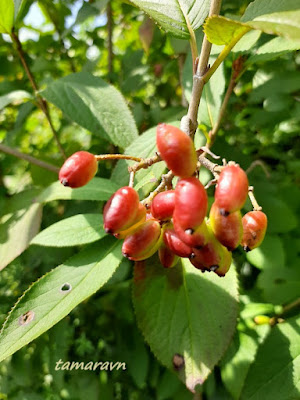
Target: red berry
x,y
167,258
190,203
78,169
121,210
175,244
177,150
232,189
162,206
228,228
144,242
196,237
139,219
212,257
254,226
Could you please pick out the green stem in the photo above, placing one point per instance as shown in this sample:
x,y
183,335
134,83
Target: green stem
x,y
224,53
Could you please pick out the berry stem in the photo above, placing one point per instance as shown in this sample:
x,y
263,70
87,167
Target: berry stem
x,y
131,179
256,206
32,160
165,184
145,163
43,105
102,157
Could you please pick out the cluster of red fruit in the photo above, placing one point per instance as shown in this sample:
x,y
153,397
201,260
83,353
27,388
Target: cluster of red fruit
x,y
176,224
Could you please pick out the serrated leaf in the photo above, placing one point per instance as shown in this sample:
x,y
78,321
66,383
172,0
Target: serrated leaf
x,y
98,189
11,97
274,48
6,16
95,105
18,226
221,30
54,295
269,254
182,311
172,15
260,7
73,231
275,374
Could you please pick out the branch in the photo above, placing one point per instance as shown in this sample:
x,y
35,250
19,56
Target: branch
x,y
145,163
189,122
30,159
166,183
41,102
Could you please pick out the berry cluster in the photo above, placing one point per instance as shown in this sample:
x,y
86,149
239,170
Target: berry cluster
x,y
175,224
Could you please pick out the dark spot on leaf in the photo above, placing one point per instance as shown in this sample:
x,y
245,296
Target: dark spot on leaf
x,y
178,362
26,318
279,281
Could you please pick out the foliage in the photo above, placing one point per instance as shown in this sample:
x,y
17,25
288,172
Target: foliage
x,y
109,75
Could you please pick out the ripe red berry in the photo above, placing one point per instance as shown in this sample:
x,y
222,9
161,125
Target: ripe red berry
x,y
232,189
254,226
121,210
196,237
228,229
78,169
175,244
162,206
190,203
177,150
212,257
144,242
139,219
167,258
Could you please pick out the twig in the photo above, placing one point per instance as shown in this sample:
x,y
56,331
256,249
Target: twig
x,y
110,40
32,160
215,169
189,122
256,206
145,163
41,102
102,157
131,179
166,183
258,163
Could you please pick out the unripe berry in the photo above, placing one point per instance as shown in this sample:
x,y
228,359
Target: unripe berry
x,y
196,237
139,219
175,244
121,210
212,257
144,242
190,203
254,226
78,169
232,189
167,258
162,206
177,150
228,229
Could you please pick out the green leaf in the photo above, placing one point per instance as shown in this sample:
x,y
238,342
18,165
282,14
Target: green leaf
x,y
212,97
261,7
20,224
247,41
184,312
12,97
274,48
73,231
285,24
221,30
269,254
280,284
95,105
172,15
240,355
54,295
281,219
6,16
17,5
97,189
275,374
144,146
